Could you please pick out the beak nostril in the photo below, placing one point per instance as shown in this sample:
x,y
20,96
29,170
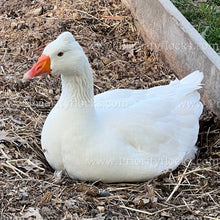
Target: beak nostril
x,y
38,68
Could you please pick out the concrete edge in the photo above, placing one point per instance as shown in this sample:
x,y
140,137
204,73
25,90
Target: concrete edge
x,y
193,33
165,29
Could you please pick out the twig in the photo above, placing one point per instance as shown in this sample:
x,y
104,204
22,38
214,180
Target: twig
x,y
3,70
151,213
178,184
136,210
213,200
208,217
204,169
29,162
112,17
15,169
187,206
29,106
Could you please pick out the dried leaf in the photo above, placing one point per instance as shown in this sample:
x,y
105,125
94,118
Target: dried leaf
x,y
23,192
35,166
143,199
129,47
33,213
70,203
4,155
46,198
4,136
101,209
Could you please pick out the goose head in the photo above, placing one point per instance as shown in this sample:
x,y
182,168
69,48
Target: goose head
x,y
62,56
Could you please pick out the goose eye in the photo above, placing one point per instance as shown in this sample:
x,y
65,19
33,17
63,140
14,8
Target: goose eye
x,y
60,54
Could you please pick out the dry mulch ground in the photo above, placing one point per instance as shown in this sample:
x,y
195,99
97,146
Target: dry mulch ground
x,y
120,59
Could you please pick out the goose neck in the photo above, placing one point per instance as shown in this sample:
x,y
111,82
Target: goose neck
x,y
77,90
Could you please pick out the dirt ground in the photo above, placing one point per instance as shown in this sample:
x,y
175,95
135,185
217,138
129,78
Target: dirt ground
x,y
120,59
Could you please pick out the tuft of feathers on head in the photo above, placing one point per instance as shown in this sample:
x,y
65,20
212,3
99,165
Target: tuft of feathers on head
x,y
63,43
66,36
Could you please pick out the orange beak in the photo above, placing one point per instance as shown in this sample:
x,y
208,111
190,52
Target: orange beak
x,y
42,67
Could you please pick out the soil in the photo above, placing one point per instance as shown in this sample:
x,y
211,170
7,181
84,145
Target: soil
x,y
120,59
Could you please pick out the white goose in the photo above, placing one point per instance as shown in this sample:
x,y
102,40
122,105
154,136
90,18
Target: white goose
x,y
117,136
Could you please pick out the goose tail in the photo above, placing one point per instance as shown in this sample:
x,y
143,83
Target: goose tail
x,y
195,79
